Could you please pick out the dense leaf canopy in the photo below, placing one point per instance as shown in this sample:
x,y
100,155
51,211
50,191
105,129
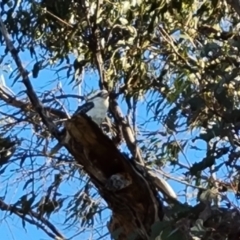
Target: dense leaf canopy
x,y
179,58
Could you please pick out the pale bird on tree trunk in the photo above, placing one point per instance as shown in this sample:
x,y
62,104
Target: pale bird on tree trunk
x,y
96,108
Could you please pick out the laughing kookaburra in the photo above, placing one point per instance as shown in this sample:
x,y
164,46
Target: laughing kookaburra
x,y
96,106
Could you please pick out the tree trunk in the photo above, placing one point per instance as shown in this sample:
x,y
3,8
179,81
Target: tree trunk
x,y
128,191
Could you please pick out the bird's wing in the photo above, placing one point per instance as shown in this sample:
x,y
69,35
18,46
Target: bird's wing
x,y
84,108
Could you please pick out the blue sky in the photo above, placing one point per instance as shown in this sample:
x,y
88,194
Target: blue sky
x,y
11,227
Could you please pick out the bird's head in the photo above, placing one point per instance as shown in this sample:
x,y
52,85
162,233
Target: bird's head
x,y
99,94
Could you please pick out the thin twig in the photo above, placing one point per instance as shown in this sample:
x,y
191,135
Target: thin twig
x,y
59,19
63,97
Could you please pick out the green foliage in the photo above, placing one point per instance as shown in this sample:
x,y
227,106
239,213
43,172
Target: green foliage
x,y
184,54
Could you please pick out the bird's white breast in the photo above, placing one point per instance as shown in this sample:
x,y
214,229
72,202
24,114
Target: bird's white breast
x,y
99,111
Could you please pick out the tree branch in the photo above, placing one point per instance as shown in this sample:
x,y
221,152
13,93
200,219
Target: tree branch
x,y
114,108
64,96
40,109
126,130
36,219
26,106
